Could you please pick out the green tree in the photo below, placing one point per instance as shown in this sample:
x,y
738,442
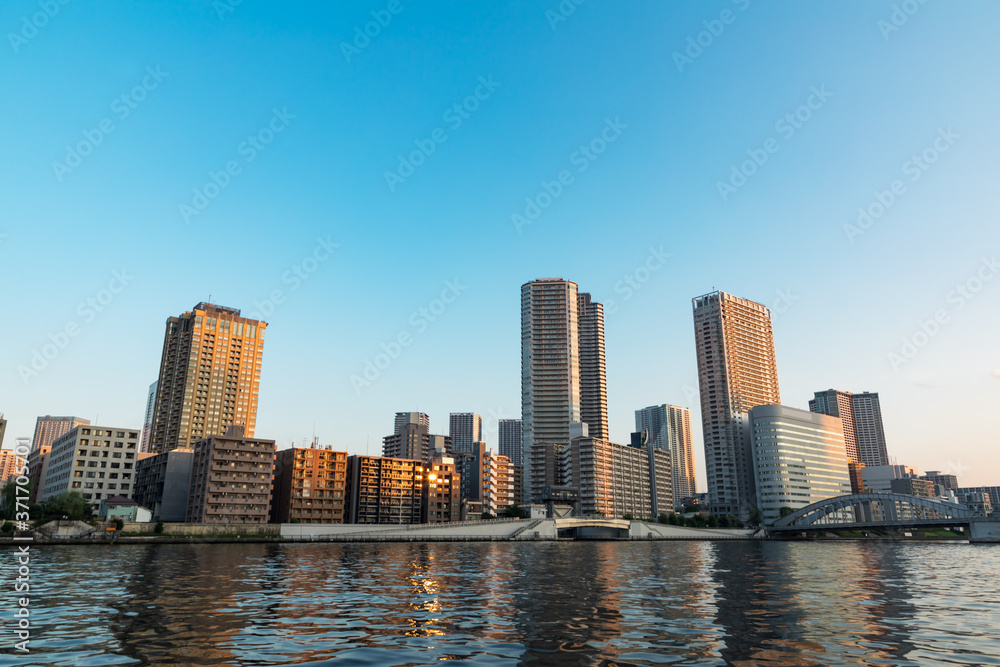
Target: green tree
x,y
690,508
628,517
70,504
673,520
756,517
9,497
158,529
712,521
785,511
515,512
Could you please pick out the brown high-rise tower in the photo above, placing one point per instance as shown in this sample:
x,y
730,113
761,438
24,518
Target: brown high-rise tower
x,y
209,376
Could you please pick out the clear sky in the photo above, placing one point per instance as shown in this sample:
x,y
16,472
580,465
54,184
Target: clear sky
x,y
155,154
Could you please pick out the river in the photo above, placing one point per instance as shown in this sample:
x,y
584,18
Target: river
x,y
765,603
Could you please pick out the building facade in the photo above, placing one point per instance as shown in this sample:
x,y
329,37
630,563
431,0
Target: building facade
x,y
231,478
878,479
310,486
147,420
593,373
509,440
464,428
839,404
617,480
384,490
870,432
946,480
97,461
49,428
440,500
209,376
550,370
163,484
737,371
38,466
669,429
498,483
799,458
411,439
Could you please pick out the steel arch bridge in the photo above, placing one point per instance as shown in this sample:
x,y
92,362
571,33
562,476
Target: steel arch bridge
x,y
875,510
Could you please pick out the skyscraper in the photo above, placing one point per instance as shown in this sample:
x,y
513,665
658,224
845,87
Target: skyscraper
x,y
868,424
49,428
209,376
593,376
669,428
550,367
509,437
862,420
838,404
464,428
147,422
736,372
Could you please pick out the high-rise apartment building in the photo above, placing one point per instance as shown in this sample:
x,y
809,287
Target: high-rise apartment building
x,y
404,418
3,429
616,480
799,458
231,478
861,416
411,439
550,369
384,490
49,428
839,404
669,429
737,371
464,428
10,463
593,375
509,438
97,461
946,480
310,485
147,421
870,433
209,376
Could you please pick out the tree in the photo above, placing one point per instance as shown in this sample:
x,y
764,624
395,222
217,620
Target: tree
x,y
70,504
690,508
673,520
158,529
756,517
712,521
627,517
515,512
663,518
785,511
9,497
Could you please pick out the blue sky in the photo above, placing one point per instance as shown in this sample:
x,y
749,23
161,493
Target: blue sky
x,y
309,122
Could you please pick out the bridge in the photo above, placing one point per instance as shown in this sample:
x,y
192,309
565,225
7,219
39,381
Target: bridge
x,y
875,510
592,528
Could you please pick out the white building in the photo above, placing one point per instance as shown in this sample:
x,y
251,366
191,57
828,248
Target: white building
x,y
97,461
799,458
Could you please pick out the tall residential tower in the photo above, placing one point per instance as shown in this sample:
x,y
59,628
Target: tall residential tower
x,y
669,429
209,377
550,366
736,372
593,376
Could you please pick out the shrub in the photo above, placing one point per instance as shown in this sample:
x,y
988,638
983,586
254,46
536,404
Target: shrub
x,y
158,529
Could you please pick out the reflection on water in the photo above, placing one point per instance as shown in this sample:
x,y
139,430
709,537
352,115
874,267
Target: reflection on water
x,y
584,603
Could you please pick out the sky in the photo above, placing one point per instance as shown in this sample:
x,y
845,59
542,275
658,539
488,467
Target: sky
x,y
357,174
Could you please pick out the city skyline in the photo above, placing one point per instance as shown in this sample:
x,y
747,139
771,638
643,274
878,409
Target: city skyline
x,y
382,295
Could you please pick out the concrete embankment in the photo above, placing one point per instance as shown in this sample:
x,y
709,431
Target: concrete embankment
x,y
468,531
